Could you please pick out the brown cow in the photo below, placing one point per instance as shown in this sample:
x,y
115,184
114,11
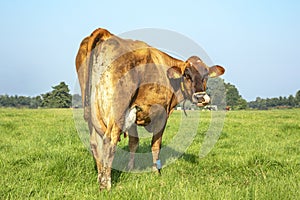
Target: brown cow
x,y
125,83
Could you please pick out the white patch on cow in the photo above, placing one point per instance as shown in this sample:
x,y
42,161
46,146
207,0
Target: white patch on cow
x,y
130,118
206,98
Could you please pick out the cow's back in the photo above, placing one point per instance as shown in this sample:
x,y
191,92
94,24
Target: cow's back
x,y
119,73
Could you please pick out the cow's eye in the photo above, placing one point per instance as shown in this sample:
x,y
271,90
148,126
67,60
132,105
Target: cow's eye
x,y
204,78
187,74
188,78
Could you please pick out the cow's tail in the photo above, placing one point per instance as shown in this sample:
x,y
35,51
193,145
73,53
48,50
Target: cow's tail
x,y
84,65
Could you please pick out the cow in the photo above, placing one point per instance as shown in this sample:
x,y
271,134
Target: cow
x,y
127,83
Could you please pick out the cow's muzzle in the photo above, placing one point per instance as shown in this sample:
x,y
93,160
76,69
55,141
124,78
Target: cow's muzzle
x,y
200,98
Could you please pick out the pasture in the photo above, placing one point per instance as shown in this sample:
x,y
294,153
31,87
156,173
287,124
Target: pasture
x,y
256,157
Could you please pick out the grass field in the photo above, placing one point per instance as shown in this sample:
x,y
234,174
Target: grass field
x,y
256,157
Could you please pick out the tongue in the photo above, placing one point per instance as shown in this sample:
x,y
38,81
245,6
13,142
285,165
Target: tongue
x,y
200,104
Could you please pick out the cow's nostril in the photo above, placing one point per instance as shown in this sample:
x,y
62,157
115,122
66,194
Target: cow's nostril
x,y
199,97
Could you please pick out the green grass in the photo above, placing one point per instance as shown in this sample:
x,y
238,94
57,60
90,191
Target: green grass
x,y
256,157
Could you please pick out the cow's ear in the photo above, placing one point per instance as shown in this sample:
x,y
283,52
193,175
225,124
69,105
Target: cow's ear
x,y
174,73
216,71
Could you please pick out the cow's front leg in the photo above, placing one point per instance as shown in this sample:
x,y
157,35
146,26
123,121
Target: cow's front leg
x,y
133,145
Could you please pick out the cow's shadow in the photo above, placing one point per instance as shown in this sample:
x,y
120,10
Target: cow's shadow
x,y
143,160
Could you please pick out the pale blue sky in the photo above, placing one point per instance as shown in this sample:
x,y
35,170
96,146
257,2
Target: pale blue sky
x,y
256,41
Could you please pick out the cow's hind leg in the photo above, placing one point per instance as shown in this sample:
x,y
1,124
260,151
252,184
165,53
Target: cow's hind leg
x,y
96,142
110,140
133,145
104,175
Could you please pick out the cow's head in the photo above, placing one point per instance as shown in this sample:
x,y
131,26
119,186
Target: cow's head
x,y
193,78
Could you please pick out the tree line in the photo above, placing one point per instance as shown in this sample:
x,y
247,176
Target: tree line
x,y
276,102
60,97
236,102
218,89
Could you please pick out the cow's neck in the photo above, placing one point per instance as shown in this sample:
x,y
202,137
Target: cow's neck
x,y
176,84
178,95
180,92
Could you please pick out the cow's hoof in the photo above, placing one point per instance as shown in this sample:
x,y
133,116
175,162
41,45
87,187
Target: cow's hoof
x,y
105,185
157,166
155,170
104,182
130,165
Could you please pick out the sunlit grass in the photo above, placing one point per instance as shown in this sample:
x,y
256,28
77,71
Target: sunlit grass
x,y
256,157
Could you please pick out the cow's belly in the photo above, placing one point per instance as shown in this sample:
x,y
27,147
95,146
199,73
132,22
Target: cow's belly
x,y
152,105
143,115
153,118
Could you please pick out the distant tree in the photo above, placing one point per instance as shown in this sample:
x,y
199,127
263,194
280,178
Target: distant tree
x,y
241,104
76,101
274,102
59,97
291,101
269,102
35,102
297,98
233,98
22,101
217,92
280,101
263,104
232,94
285,101
4,100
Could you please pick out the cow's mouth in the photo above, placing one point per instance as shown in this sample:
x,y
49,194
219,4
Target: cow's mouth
x,y
200,99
